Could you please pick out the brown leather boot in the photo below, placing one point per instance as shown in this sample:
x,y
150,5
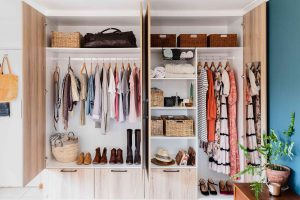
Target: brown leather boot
x,y
97,156
87,159
80,159
103,159
129,157
120,156
113,156
137,155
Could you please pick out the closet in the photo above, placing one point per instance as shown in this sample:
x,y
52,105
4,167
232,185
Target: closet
x,y
250,26
40,60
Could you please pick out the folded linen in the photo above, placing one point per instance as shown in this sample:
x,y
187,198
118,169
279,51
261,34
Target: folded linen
x,y
152,73
172,75
180,68
160,72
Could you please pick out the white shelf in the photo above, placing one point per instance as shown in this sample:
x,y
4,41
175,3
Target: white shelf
x,y
52,164
219,49
202,49
173,108
183,79
172,138
215,197
175,166
94,50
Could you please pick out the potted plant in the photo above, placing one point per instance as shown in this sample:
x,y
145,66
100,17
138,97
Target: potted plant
x,y
272,149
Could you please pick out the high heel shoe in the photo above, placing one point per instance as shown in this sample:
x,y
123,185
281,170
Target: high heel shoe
x,y
211,187
203,187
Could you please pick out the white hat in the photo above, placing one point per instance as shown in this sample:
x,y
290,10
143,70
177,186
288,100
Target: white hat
x,y
163,155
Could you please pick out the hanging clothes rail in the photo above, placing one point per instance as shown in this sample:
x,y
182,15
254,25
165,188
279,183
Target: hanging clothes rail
x,y
96,59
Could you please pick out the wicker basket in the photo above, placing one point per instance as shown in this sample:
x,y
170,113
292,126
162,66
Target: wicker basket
x,y
163,40
157,97
157,126
178,126
192,40
66,40
219,40
65,147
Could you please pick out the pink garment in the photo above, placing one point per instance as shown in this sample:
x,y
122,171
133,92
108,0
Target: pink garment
x,y
116,74
233,134
133,112
139,93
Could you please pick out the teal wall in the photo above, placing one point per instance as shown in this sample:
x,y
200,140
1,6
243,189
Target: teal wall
x,y
284,73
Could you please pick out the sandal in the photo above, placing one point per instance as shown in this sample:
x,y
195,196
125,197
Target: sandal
x,y
229,186
211,187
222,187
203,187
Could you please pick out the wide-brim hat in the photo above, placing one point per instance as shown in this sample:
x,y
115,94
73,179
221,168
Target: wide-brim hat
x,y
162,157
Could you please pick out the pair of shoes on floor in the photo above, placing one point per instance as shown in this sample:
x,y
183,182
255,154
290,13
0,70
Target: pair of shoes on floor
x,y
84,159
226,187
208,187
100,159
116,156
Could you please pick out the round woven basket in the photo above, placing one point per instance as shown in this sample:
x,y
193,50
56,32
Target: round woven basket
x,y
65,152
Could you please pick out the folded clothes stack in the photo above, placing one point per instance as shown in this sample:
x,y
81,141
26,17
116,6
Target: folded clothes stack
x,y
160,72
179,71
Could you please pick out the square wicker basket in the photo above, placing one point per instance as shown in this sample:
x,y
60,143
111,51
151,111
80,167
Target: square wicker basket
x,y
178,126
222,40
157,97
192,40
163,40
66,40
157,126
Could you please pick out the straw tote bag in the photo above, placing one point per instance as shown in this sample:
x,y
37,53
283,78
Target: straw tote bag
x,y
8,83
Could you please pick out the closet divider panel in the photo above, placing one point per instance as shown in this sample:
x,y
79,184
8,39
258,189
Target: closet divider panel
x,y
255,49
33,92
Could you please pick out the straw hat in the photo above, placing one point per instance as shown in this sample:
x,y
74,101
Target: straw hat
x,y
162,158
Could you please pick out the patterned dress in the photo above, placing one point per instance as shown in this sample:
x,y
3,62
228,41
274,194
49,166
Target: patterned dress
x,y
234,149
202,92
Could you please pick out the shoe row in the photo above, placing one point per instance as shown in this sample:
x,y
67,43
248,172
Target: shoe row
x,y
209,187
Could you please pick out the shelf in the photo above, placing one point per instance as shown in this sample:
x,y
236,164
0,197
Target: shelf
x,y
172,138
203,49
215,197
153,166
94,50
183,79
52,164
219,50
173,108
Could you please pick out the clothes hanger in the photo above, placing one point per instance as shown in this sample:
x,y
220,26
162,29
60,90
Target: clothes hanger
x,y
219,66
69,65
84,68
227,67
206,65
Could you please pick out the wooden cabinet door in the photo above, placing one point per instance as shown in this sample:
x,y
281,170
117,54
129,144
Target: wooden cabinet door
x,y
119,184
33,92
255,50
69,183
173,184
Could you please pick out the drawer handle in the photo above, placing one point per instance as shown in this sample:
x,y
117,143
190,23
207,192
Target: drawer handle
x,y
172,171
119,171
68,170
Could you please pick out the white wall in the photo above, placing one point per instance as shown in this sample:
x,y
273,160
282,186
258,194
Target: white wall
x,y
11,145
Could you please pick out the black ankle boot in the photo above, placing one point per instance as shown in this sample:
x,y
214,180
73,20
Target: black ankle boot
x,y
129,157
137,155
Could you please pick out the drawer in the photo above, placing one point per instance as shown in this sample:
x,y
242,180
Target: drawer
x,y
69,183
119,184
173,184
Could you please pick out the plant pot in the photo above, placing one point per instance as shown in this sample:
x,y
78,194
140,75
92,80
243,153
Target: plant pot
x,y
278,176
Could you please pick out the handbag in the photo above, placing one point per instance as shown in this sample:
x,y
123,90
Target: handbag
x,y
116,39
8,83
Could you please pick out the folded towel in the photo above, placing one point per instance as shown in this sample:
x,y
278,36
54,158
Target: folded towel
x,y
180,68
172,75
186,55
160,72
152,73
168,53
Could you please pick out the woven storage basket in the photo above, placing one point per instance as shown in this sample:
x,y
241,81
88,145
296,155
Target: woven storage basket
x,y
192,40
163,40
66,40
157,126
157,97
222,40
65,148
178,126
